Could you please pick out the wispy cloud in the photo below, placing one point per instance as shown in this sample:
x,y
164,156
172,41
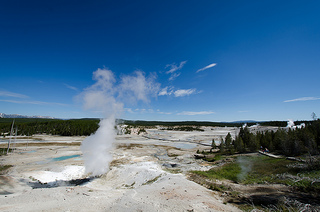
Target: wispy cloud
x,y
173,76
173,70
169,90
184,92
192,113
143,110
71,87
128,110
302,99
165,113
32,102
174,67
11,94
207,67
166,91
138,110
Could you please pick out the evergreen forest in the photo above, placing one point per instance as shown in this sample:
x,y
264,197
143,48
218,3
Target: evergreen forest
x,y
29,126
285,141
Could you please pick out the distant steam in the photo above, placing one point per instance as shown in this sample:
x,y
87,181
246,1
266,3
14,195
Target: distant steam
x,y
245,164
291,124
105,97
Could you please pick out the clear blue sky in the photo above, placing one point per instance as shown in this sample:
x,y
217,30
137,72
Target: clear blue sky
x,y
214,60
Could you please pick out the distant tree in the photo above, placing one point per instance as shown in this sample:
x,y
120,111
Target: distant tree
x,y
222,145
308,140
141,130
314,116
252,143
249,141
238,144
213,144
228,141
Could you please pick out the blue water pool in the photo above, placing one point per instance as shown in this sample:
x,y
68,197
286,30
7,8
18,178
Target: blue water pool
x,y
64,157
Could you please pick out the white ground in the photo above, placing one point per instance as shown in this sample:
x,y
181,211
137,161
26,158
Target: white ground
x,y
141,177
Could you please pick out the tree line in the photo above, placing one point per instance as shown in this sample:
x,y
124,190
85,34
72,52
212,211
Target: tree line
x,y
28,127
73,127
288,141
202,123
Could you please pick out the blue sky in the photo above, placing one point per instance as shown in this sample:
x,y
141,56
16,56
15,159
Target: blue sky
x,y
213,60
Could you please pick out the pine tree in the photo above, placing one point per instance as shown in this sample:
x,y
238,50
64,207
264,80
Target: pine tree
x,y
228,141
213,144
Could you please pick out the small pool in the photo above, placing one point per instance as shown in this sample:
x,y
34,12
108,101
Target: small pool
x,y
50,160
182,145
64,157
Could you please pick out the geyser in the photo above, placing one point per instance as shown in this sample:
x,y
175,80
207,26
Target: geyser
x,y
96,148
105,96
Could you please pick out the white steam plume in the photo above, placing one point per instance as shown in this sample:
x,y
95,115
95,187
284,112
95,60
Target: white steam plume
x,y
96,148
290,123
103,97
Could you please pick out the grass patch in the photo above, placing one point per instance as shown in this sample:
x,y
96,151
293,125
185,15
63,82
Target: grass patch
x,y
3,151
129,146
281,171
229,171
263,169
218,157
303,181
129,186
3,168
152,180
173,171
216,187
213,157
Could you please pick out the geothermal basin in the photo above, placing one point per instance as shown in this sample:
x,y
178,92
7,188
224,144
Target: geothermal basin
x,y
148,173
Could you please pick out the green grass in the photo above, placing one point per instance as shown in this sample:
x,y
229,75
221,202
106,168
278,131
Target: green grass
x,y
229,171
212,156
263,169
218,157
152,180
173,171
270,170
3,151
4,168
216,187
259,169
